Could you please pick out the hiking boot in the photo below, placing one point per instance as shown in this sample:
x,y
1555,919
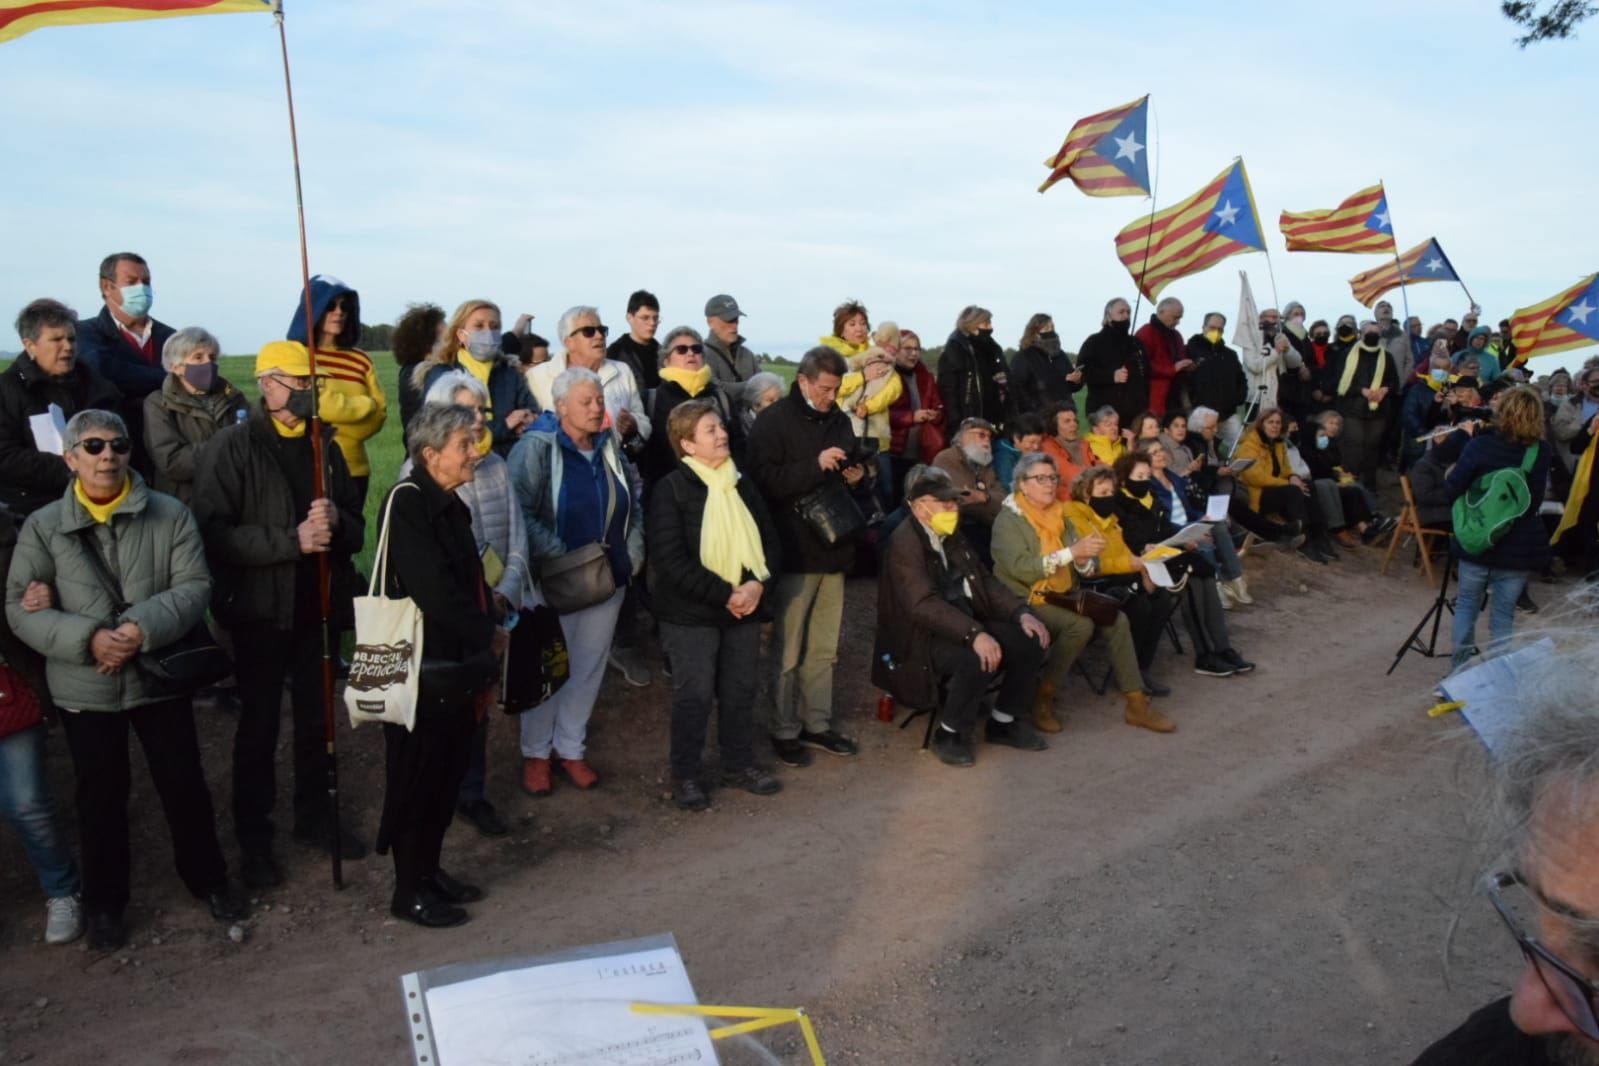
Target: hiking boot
x,y
1044,719
580,773
1213,665
1239,664
754,780
536,777
63,920
1346,539
951,748
1142,714
790,752
689,796
260,869
830,742
1015,733
629,662
484,818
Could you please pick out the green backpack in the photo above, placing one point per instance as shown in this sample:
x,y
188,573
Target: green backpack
x,y
1491,506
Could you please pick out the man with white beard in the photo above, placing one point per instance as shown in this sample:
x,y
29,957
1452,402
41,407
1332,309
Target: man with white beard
x,y
969,462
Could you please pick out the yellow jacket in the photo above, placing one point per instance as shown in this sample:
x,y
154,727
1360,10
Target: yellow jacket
x,y
352,402
1117,558
1105,449
1259,477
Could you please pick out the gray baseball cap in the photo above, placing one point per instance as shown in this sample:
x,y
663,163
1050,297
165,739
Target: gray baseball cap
x,y
723,307
924,480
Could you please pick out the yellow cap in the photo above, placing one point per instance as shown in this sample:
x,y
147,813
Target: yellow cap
x,y
284,357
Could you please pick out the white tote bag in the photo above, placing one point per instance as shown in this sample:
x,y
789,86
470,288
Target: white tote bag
x,y
386,666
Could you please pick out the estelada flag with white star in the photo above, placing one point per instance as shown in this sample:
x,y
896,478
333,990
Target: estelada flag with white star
x,y
1217,221
1359,224
1425,262
20,16
1567,320
1106,154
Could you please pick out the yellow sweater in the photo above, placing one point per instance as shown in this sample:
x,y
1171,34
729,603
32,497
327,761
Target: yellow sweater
x,y
352,402
1259,477
1117,558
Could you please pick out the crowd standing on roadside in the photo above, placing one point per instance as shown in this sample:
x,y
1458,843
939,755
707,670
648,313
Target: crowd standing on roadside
x,y
599,492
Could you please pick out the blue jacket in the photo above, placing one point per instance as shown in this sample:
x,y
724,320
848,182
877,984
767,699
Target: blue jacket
x,y
1488,368
103,346
1526,545
508,392
1005,456
324,290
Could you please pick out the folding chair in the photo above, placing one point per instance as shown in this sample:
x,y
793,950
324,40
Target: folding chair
x,y
932,712
1410,526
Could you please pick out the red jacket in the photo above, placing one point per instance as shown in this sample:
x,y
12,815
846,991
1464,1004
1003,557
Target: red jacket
x,y
932,436
1165,348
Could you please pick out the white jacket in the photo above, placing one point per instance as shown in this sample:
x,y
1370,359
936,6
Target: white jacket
x,y
621,391
1263,367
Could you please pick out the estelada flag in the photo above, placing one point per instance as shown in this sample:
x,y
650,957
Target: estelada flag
x,y
1569,319
1105,154
1425,262
1359,224
20,16
1217,221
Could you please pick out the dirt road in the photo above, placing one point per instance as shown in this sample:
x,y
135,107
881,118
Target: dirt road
x,y
1273,883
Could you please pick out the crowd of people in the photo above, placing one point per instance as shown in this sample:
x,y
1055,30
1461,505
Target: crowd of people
x,y
670,487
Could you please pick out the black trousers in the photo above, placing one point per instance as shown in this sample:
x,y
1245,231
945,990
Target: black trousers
x,y
263,658
98,741
1147,614
422,775
966,680
712,666
1286,500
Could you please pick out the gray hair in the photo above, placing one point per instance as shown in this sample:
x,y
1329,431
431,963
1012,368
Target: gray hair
x,y
1104,319
1213,314
759,384
822,360
1099,414
1168,302
564,327
1443,358
184,343
1294,305
970,316
680,331
447,384
570,378
44,314
1366,322
1025,462
435,425
93,418
1202,416
1327,418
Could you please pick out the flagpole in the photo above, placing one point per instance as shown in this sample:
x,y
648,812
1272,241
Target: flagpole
x,y
1399,267
318,476
1149,236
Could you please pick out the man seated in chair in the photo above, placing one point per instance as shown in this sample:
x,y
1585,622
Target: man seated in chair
x,y
944,618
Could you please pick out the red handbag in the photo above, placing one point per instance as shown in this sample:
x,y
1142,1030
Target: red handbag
x,y
19,707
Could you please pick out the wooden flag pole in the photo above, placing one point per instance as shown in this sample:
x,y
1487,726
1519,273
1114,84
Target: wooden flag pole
x,y
1149,237
318,475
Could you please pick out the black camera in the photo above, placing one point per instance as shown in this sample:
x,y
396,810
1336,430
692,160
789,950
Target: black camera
x,y
863,454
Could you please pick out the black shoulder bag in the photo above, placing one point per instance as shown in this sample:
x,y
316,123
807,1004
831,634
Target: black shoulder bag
x,y
183,667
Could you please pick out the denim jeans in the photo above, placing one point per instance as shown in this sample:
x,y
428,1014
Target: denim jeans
x,y
1504,588
25,802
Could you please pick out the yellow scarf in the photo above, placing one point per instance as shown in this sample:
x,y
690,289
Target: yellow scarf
x,y
285,431
484,445
102,512
1352,360
692,382
844,347
1147,500
1106,449
1579,493
730,542
1050,525
480,370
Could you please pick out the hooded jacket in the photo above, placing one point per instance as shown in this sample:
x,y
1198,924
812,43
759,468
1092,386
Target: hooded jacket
x,y
177,423
152,546
1488,369
350,399
29,478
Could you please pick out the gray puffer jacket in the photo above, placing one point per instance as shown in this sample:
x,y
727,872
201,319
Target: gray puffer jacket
x,y
153,546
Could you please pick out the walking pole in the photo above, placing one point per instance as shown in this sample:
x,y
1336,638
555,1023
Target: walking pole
x,y
318,474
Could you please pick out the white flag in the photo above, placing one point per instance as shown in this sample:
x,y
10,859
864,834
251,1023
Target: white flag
x,y
1247,337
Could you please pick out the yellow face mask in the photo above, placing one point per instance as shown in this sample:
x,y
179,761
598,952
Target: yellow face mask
x,y
944,522
1213,336
485,442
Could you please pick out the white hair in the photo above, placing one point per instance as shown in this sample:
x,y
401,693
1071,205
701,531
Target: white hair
x,y
1167,303
1200,417
447,384
571,315
184,343
570,378
1104,319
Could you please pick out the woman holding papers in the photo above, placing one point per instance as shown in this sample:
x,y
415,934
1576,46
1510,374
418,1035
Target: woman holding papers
x,y
1185,504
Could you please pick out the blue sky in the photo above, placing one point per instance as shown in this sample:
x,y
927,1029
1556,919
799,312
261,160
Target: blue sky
x,y
792,154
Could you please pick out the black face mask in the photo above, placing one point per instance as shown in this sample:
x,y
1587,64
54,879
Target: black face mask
x,y
1370,338
1345,332
1120,327
298,404
1104,506
1049,342
1138,488
1319,338
985,331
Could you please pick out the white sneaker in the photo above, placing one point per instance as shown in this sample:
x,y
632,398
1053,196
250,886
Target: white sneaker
x,y
65,922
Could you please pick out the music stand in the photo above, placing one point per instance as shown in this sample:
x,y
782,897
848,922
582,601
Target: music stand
x,y
1435,615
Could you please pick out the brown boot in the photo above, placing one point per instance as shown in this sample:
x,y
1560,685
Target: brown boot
x,y
1044,719
1140,713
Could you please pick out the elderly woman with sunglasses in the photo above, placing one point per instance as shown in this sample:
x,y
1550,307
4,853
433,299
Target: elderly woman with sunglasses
x,y
685,377
582,339
108,571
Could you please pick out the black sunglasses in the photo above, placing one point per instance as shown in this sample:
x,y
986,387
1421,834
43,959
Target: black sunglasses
x,y
589,331
1577,996
96,445
683,349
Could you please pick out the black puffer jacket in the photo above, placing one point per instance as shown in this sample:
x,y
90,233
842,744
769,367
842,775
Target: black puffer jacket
x,y
784,445
1217,380
1038,379
685,591
972,376
1106,352
29,478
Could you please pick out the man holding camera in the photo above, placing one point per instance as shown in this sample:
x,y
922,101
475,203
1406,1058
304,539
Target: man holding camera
x,y
803,454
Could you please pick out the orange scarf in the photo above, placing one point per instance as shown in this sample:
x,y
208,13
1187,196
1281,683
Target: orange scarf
x,y
1050,525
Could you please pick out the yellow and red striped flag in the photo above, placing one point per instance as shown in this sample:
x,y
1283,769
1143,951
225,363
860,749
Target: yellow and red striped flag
x,y
1105,154
1217,221
1359,224
1569,319
18,17
1425,262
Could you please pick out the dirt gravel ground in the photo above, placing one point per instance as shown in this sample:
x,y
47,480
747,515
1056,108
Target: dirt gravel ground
x,y
1276,882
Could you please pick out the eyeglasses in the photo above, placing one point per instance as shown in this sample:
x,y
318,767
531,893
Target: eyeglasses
x,y
589,331
684,349
96,445
1577,996
1048,479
